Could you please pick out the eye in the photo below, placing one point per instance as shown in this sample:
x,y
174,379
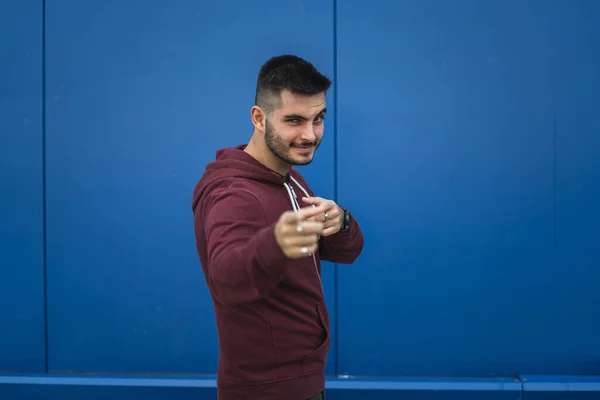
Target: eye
x,y
320,119
293,121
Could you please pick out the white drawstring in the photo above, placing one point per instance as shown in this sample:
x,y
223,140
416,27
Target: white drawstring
x,y
300,186
296,207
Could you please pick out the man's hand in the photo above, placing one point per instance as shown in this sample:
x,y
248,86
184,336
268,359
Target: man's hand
x,y
297,234
331,214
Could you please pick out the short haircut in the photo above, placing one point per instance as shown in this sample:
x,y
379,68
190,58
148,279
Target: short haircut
x,y
287,72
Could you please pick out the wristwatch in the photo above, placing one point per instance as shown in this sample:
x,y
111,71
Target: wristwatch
x,y
345,221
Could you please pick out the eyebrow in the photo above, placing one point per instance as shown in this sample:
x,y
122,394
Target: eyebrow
x,y
296,116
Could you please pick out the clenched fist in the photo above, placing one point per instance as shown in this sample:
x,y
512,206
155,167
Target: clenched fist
x,y
296,235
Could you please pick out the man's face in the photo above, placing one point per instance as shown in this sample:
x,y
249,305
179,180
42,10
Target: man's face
x,y
293,132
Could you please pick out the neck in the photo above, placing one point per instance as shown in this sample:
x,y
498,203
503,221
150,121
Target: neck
x,y
259,150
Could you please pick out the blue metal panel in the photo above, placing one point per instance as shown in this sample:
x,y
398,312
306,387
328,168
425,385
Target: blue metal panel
x,y
22,331
140,96
560,387
446,129
66,388
575,300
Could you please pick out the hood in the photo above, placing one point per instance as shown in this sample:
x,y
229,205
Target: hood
x,y
233,163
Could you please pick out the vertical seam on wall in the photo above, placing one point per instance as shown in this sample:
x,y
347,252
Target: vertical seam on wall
x,y
44,210
554,249
335,180
518,378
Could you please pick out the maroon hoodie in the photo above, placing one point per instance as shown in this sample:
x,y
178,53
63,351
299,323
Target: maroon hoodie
x,y
272,322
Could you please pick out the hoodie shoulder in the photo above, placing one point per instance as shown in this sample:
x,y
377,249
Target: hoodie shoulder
x,y
233,169
209,188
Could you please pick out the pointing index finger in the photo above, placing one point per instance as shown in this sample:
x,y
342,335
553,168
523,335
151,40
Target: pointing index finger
x,y
308,212
313,200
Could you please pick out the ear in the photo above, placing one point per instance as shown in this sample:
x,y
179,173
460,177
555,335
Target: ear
x,y
258,117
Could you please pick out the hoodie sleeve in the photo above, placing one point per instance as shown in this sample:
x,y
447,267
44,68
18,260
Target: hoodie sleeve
x,y
244,260
342,247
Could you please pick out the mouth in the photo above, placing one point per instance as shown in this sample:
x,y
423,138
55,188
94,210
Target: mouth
x,y
304,146
304,150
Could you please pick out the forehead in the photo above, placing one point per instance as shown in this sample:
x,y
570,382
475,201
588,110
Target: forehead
x,y
298,104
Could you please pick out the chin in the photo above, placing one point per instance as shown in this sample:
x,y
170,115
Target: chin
x,y
302,161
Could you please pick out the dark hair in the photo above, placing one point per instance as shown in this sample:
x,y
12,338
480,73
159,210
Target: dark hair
x,y
287,72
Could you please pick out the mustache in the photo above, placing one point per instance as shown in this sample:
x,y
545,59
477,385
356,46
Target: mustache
x,y
304,144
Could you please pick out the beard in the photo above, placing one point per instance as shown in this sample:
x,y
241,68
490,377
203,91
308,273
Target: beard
x,y
282,150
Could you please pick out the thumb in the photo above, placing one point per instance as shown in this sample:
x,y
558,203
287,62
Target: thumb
x,y
311,200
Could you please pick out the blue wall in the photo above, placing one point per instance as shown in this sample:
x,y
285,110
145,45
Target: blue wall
x,y
471,129
22,330
138,100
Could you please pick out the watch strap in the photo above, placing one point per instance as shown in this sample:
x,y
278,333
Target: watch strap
x,y
346,220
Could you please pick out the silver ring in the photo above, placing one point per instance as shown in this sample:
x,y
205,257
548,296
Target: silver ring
x,y
326,216
299,228
304,250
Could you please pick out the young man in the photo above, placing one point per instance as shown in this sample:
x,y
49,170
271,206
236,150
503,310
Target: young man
x,y
261,235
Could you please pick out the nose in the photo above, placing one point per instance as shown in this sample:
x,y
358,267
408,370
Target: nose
x,y
308,134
